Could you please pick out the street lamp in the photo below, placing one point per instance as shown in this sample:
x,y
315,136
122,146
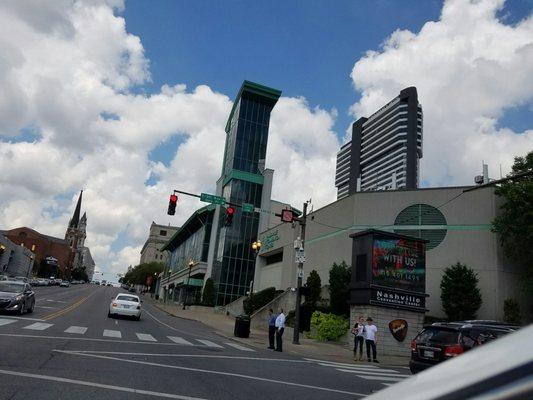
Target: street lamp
x,y
191,264
256,247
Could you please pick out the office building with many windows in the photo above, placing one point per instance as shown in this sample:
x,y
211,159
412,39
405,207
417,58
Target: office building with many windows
x,y
385,149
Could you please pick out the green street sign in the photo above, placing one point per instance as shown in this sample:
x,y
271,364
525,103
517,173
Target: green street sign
x,y
247,208
211,198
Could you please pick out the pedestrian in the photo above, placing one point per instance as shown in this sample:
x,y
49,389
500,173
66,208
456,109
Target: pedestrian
x,y
358,331
271,328
280,328
371,336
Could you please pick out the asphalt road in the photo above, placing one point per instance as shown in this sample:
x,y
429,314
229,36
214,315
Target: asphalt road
x,y
69,348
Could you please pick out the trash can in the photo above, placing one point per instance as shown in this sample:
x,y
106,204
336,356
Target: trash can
x,y
242,326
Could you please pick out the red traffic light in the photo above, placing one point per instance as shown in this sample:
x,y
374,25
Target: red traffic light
x,y
230,210
287,215
172,204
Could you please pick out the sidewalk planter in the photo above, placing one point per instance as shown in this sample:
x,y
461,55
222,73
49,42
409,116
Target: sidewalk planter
x,y
242,326
328,327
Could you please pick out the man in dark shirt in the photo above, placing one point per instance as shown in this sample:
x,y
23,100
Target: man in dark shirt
x,y
271,328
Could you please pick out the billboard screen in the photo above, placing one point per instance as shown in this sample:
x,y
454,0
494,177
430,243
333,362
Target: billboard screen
x,y
399,264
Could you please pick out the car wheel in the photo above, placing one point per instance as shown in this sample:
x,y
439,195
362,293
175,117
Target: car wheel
x,y
138,318
31,308
109,315
21,311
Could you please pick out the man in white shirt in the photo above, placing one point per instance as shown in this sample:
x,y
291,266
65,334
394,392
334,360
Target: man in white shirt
x,y
280,328
371,336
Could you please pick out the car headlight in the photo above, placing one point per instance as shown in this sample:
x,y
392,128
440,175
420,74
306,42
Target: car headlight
x,y
19,297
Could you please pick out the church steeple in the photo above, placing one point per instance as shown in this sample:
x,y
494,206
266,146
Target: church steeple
x,y
74,221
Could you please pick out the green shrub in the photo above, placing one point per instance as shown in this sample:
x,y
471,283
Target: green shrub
x,y
339,280
258,300
460,295
314,287
511,311
329,326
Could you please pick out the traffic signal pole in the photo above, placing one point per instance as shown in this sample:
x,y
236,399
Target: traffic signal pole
x,y
296,336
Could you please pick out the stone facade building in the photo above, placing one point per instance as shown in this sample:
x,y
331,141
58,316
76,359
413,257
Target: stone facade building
x,y
158,236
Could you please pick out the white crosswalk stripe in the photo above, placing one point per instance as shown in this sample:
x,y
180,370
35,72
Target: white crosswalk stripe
x,y
111,333
38,326
238,346
180,340
372,372
146,337
7,321
76,329
208,343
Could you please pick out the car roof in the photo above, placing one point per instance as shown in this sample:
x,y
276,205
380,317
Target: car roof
x,y
491,360
459,325
127,294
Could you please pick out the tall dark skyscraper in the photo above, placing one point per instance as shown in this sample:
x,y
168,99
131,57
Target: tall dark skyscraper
x,y
242,181
385,149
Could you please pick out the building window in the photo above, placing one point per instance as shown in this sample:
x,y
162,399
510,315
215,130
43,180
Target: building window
x,y
33,247
23,234
274,258
416,219
163,233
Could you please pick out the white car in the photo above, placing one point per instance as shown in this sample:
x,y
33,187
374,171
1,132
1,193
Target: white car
x,y
125,304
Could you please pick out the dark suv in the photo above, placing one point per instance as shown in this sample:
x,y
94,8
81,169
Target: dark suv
x,y
443,340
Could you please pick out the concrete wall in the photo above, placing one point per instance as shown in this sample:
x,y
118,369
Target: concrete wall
x,y
468,240
285,301
235,308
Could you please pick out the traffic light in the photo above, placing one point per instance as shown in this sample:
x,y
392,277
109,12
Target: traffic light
x,y
230,212
287,215
172,204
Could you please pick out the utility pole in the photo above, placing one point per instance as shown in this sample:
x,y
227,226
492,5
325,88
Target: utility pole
x,y
296,336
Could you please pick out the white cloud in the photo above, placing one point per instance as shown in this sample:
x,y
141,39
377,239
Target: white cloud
x,y
68,70
469,68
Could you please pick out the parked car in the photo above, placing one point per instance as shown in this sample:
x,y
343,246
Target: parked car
x,y
21,278
125,304
131,290
499,370
4,278
64,284
441,341
16,296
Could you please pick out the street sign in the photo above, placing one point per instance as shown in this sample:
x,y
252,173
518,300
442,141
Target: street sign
x,y
247,208
211,198
300,256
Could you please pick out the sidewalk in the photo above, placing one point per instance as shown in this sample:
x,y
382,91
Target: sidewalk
x,y
223,325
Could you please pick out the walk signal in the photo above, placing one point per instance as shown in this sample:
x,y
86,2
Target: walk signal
x,y
287,215
230,212
172,204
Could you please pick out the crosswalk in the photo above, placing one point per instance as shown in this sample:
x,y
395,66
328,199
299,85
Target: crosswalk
x,y
80,331
371,372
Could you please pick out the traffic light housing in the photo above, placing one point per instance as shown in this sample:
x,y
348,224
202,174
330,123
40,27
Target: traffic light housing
x,y
287,215
230,212
172,204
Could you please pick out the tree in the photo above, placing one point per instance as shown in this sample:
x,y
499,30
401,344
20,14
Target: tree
x,y
138,274
460,295
79,274
208,295
313,285
511,311
515,223
339,279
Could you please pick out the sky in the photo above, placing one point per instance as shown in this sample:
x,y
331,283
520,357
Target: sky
x,y
128,100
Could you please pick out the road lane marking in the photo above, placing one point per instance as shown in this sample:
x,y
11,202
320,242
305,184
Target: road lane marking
x,y
112,333
7,321
381,378
238,346
38,326
146,337
180,340
45,307
99,385
26,318
209,343
69,308
356,366
190,356
167,325
206,371
56,301
76,329
375,373
336,364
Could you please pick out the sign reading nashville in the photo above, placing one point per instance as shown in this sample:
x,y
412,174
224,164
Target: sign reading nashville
x,y
393,298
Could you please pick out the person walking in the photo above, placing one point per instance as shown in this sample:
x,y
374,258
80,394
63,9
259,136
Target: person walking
x,y
371,336
358,331
271,328
280,328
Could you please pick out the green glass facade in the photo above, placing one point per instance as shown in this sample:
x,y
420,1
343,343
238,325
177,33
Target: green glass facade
x,y
246,144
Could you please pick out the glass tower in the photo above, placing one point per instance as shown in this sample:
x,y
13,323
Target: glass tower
x,y
242,182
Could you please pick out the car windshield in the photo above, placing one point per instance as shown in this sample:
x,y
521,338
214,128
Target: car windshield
x,y
436,335
11,287
128,298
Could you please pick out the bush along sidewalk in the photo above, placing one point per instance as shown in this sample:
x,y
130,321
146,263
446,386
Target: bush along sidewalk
x,y
327,327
